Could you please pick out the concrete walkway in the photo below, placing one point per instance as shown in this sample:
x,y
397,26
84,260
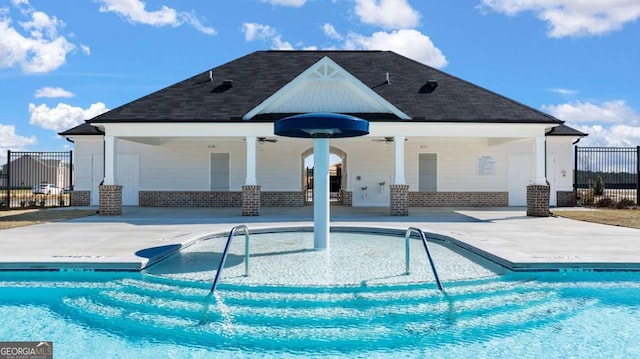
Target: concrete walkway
x,y
142,236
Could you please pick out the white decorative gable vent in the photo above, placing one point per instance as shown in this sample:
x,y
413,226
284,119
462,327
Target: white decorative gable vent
x,y
325,87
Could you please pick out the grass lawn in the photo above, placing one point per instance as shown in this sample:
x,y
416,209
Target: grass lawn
x,y
27,217
615,217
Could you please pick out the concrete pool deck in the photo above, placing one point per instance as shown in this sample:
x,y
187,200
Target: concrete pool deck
x,y
142,236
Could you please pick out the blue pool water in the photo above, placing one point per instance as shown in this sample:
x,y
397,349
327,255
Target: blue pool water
x,y
541,315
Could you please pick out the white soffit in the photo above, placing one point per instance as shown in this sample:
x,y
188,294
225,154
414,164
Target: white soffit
x,y
325,87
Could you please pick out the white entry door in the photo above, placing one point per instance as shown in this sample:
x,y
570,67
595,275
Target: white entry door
x,y
520,175
128,176
97,175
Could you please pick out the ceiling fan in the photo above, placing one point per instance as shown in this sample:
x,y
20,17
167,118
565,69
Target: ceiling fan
x,y
385,140
265,139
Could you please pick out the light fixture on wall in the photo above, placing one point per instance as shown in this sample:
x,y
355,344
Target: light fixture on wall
x,y
211,146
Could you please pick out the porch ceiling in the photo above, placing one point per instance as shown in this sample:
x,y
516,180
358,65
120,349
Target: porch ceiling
x,y
141,132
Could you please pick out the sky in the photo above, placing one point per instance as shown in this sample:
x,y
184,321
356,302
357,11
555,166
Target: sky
x,y
66,61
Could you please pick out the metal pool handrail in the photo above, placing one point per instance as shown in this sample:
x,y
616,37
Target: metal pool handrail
x,y
226,251
426,249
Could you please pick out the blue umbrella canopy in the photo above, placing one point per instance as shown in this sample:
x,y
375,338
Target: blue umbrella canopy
x,y
321,125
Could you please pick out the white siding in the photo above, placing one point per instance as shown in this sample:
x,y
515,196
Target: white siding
x,y
279,165
84,149
182,164
560,171
326,96
368,164
458,163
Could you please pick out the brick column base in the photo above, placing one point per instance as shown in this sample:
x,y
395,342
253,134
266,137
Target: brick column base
x,y
347,198
250,200
110,200
399,205
80,198
538,201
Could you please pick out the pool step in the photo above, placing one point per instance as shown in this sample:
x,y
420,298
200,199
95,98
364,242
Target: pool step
x,y
272,317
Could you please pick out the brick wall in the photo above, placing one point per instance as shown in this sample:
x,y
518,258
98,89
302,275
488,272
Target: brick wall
x,y
80,198
189,199
282,199
399,203
347,198
216,199
566,199
538,201
110,200
251,200
458,199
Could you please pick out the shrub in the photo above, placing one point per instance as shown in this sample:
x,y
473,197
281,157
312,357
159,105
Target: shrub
x,y
598,186
625,203
587,198
605,202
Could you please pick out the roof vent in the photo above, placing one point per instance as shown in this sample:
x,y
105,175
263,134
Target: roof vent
x,y
432,83
227,83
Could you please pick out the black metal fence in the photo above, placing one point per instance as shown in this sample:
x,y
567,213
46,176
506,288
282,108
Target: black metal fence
x,y
607,172
36,179
335,180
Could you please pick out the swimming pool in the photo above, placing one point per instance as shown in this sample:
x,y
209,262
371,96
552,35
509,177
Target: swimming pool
x,y
167,313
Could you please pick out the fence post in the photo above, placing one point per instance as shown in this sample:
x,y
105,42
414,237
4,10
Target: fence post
x,y
70,172
8,179
638,176
575,172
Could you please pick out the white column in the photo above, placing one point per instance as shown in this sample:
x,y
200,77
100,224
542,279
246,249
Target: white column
x,y
321,193
251,161
399,160
110,156
540,161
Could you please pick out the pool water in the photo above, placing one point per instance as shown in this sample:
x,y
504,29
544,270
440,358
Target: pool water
x,y
352,301
551,315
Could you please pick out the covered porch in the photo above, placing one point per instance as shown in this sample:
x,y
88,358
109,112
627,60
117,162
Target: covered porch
x,y
245,165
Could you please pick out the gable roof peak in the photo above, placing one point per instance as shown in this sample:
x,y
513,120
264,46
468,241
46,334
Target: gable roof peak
x,y
345,94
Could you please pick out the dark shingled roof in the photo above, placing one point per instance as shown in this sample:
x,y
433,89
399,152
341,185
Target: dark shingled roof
x,y
564,130
84,129
258,75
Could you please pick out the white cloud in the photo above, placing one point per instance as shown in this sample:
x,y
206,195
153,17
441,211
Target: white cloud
x,y
389,14
278,44
292,3
63,116
53,92
253,31
331,32
572,17
613,136
563,91
135,12
611,123
407,42
9,140
611,112
192,19
85,49
41,49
